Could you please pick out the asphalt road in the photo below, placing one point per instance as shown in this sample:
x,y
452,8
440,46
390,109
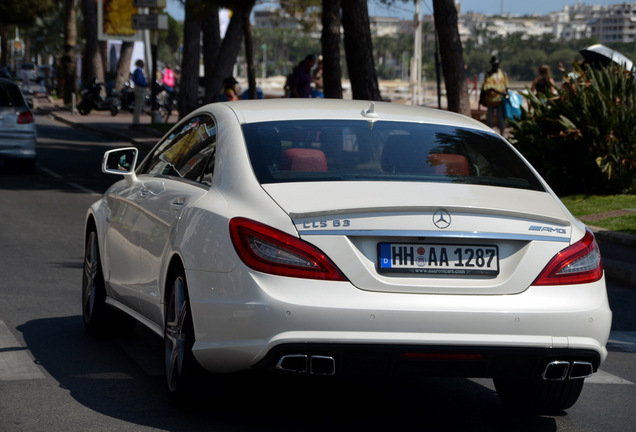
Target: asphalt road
x,y
54,377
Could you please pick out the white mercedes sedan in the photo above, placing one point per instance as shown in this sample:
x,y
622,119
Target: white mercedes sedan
x,y
332,237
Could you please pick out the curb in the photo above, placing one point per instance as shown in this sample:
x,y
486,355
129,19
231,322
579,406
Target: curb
x,y
617,270
614,237
113,134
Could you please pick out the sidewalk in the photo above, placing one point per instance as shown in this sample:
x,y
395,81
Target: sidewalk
x,y
618,249
117,128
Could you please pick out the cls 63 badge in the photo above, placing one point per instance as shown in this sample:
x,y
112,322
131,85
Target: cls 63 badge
x,y
331,223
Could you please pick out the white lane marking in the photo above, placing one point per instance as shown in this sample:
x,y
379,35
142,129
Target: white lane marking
x,y
622,341
51,173
72,184
15,363
83,189
602,377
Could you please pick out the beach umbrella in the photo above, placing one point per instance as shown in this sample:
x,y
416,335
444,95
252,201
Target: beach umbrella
x,y
601,55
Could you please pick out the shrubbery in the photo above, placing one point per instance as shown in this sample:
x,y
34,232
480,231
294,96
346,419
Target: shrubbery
x,y
583,139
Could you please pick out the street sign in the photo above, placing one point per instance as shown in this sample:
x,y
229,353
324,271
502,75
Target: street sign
x,y
152,4
18,49
150,22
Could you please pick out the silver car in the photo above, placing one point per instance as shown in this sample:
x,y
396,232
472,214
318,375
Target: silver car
x,y
18,133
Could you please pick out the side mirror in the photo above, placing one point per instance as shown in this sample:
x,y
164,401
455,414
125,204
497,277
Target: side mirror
x,y
121,161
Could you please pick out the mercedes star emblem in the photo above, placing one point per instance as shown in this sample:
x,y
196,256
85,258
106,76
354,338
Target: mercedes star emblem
x,y
441,219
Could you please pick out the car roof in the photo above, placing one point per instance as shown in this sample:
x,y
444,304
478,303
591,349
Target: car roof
x,y
7,81
16,95
254,111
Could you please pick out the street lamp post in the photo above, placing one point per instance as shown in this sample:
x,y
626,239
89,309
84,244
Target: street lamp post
x,y
264,68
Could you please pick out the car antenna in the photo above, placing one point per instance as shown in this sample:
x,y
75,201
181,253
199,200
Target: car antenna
x,y
370,115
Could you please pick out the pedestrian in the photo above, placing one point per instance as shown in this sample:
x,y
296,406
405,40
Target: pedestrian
x,y
301,78
544,84
230,92
139,80
317,91
26,83
48,81
168,78
493,91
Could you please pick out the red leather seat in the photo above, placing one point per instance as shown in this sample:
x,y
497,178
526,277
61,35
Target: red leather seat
x,y
302,159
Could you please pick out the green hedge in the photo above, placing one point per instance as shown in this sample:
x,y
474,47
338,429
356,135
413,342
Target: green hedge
x,y
583,139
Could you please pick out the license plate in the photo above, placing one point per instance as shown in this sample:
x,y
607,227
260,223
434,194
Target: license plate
x,y
438,258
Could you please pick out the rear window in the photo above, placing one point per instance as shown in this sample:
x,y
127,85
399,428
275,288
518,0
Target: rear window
x,y
348,150
10,95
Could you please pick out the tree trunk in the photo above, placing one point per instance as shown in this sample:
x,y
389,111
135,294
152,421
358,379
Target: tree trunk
x,y
330,41
211,45
450,47
359,50
92,66
227,55
69,60
4,44
123,66
189,87
249,54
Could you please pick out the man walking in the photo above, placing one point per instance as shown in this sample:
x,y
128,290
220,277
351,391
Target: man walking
x,y
139,79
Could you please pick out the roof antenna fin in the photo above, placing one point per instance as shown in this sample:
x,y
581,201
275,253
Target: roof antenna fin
x,y
370,115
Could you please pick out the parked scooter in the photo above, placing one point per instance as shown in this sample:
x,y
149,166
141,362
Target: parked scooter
x,y
92,99
126,97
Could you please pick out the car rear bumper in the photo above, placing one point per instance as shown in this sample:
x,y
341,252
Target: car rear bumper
x,y
18,145
269,317
434,361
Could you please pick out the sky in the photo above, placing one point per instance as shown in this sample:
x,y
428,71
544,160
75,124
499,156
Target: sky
x,y
405,10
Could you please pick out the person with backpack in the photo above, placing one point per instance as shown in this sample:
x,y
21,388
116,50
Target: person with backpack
x,y
493,91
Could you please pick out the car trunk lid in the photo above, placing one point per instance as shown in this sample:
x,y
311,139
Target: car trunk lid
x,y
359,224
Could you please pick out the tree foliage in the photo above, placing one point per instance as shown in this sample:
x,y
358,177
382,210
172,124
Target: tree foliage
x,y
23,12
583,139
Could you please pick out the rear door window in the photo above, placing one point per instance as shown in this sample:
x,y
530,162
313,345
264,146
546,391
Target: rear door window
x,y
10,96
186,153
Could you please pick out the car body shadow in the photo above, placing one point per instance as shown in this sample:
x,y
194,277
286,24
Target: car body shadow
x,y
102,374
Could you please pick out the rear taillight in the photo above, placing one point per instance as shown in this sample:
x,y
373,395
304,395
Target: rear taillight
x,y
577,264
25,117
269,250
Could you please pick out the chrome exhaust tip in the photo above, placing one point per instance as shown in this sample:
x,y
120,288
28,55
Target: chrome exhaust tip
x,y
293,363
556,370
581,369
322,365
560,370
306,364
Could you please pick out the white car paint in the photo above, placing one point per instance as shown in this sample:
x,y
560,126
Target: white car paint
x,y
146,222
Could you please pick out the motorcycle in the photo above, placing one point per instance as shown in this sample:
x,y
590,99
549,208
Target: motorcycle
x,y
92,99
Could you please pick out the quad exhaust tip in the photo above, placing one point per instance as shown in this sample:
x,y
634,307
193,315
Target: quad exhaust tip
x,y
560,370
307,364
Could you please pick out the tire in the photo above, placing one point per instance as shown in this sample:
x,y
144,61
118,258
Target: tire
x,y
27,166
538,396
114,109
99,318
84,108
182,372
94,308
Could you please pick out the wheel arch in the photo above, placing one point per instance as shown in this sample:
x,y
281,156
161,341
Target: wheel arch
x,y
176,264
